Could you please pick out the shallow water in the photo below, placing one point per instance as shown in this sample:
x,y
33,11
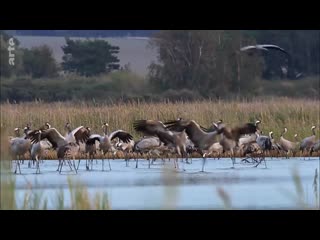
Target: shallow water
x,y
162,187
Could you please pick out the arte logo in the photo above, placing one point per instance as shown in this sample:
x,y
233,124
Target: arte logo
x,y
11,51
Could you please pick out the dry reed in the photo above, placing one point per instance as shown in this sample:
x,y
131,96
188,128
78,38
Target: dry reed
x,y
275,113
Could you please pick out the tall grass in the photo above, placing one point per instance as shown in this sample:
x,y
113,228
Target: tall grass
x,y
275,113
34,200
301,201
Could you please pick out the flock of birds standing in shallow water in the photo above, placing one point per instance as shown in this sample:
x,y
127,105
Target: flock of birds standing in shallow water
x,y
177,139
180,137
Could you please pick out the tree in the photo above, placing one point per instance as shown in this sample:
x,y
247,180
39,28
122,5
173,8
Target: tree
x,y
39,62
206,61
89,57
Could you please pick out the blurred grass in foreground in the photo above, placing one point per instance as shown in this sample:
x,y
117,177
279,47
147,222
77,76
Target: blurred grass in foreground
x,y
81,200
298,197
34,200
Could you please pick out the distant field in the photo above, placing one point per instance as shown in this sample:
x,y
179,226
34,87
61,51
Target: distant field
x,y
132,50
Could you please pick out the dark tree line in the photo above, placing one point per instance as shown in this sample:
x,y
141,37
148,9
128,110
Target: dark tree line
x,y
206,61
87,58
209,61
302,45
191,64
87,33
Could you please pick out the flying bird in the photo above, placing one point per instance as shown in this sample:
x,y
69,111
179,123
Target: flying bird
x,y
265,47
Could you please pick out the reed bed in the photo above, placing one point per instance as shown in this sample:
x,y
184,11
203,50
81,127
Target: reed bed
x,y
275,113
298,115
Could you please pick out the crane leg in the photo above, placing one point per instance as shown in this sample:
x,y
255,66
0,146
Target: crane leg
x,y
204,158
